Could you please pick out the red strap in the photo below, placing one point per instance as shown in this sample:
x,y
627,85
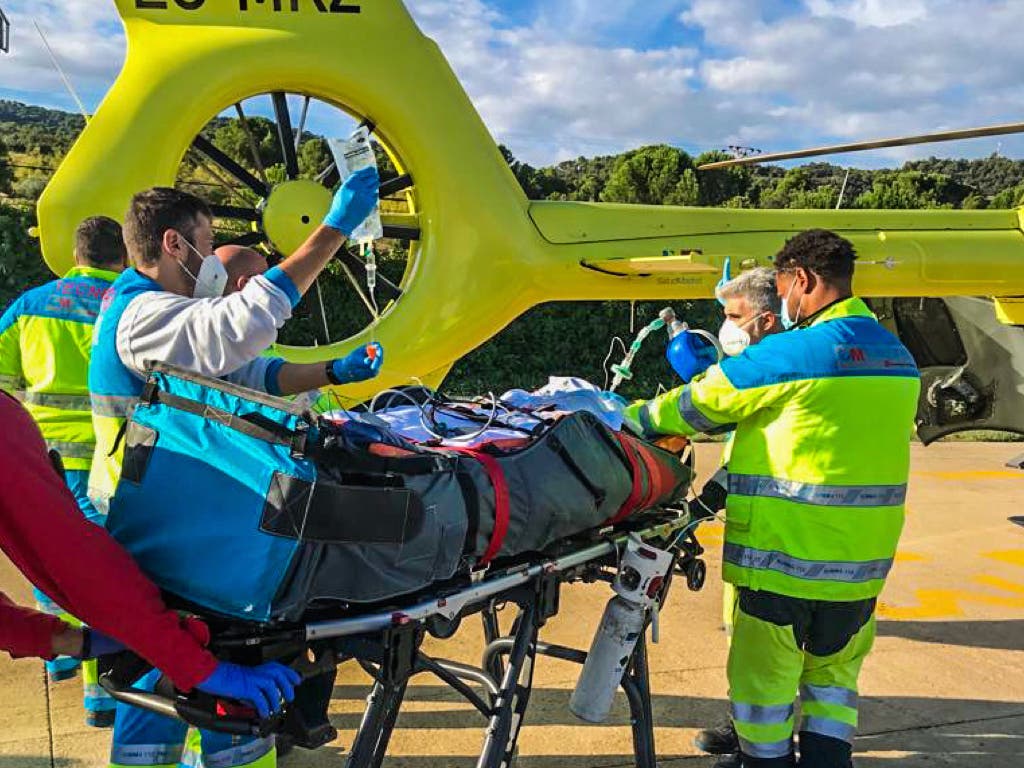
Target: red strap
x,y
502,500
661,481
637,492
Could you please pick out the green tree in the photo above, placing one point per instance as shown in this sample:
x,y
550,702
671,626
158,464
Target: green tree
x,y
821,197
6,173
688,190
721,185
912,189
1008,198
795,183
572,338
974,201
314,157
538,184
650,176
21,262
30,188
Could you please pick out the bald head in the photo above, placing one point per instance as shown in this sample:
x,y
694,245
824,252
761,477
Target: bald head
x,y
242,265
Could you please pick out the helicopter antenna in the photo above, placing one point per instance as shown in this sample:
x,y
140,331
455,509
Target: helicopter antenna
x,y
903,141
5,32
60,71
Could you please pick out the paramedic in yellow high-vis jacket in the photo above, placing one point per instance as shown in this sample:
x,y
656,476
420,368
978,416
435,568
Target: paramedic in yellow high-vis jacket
x,y
752,307
817,485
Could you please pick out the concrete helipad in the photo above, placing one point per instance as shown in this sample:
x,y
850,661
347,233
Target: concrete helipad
x,y
944,686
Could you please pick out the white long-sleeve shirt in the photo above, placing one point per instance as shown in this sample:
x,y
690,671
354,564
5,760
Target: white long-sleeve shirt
x,y
220,338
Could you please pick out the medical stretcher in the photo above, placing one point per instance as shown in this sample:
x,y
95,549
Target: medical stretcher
x,y
387,642
312,543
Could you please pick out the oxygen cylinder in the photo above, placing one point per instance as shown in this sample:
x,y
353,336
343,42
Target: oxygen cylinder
x,y
616,637
637,586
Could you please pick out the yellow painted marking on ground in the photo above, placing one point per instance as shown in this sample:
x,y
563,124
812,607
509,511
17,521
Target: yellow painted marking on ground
x,y
974,474
711,536
946,603
911,557
1011,556
999,583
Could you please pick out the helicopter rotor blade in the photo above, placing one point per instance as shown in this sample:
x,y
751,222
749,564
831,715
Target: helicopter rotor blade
x,y
285,134
861,146
253,144
239,172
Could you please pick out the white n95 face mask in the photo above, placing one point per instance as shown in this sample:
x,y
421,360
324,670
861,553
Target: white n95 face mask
x,y
734,339
212,278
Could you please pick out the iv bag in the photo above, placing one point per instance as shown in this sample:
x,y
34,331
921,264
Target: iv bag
x,y
351,155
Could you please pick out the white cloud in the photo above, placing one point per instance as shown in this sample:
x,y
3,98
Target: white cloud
x,y
741,74
846,69
871,13
549,98
85,35
557,79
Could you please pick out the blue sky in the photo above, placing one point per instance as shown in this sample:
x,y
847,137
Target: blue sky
x,y
558,79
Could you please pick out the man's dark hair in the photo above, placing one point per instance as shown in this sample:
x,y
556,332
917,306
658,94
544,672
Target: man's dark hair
x,y
824,253
152,213
98,243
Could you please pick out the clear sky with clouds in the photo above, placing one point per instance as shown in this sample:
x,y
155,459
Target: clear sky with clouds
x,y
555,79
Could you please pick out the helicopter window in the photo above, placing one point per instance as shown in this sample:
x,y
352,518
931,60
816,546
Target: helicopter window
x,y
928,330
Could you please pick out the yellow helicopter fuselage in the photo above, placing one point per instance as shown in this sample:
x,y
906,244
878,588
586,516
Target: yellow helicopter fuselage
x,y
486,253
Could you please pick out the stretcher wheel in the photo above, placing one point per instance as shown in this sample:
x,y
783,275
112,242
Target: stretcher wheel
x,y
696,575
270,183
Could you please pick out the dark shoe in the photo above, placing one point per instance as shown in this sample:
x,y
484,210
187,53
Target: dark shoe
x,y
729,761
817,751
102,719
718,741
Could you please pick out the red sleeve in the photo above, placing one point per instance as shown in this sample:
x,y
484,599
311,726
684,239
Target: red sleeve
x,y
77,563
25,633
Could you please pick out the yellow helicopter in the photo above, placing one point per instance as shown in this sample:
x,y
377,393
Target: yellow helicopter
x,y
481,253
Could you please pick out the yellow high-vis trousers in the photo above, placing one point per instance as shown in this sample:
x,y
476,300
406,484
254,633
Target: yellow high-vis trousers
x,y
783,647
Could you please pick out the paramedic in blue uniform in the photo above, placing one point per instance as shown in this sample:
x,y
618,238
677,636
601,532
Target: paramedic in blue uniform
x,y
170,308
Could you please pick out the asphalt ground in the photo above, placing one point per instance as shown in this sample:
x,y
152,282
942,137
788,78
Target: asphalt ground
x,y
943,687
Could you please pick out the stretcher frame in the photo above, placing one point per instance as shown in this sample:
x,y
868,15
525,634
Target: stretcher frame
x,y
388,646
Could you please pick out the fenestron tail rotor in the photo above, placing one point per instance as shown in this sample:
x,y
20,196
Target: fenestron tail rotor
x,y
267,176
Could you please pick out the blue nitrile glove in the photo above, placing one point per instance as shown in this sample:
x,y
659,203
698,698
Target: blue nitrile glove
x,y
726,277
354,201
690,354
362,364
265,686
96,644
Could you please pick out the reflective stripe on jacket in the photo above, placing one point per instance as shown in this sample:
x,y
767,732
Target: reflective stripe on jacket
x,y
45,336
112,386
820,459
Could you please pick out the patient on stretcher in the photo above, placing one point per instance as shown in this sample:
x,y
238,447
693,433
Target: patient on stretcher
x,y
419,415
250,507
